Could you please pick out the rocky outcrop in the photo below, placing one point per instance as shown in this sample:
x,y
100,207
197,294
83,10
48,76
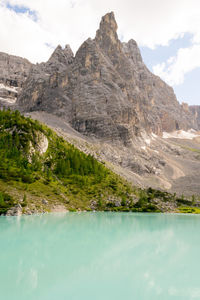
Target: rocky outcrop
x,y
39,146
105,90
13,73
15,211
43,88
195,110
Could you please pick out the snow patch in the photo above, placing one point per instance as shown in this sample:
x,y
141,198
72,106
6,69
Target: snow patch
x,y
147,141
181,134
9,88
143,147
154,136
146,138
8,100
155,151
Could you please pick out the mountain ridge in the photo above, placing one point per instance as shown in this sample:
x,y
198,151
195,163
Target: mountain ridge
x,y
140,95
106,85
105,98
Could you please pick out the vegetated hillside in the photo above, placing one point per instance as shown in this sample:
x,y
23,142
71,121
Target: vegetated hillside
x,y
40,172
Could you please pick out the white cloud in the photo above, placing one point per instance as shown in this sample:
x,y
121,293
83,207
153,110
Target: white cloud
x,y
150,23
174,70
20,35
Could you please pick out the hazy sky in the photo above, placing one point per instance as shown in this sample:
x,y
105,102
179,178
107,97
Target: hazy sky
x,y
167,32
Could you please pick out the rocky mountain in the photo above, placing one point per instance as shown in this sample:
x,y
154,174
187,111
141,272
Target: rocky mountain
x,y
104,100
13,74
105,90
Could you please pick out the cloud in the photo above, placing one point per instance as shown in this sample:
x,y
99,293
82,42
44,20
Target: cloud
x,y
22,10
150,23
174,70
20,35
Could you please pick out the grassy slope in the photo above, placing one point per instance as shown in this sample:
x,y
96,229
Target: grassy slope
x,y
63,175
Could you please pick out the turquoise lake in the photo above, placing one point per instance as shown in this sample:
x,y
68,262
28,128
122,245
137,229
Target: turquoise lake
x,y
100,256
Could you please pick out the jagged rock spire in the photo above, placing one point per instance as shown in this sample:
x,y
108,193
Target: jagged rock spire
x,y
64,56
56,52
106,35
108,23
133,52
68,53
106,91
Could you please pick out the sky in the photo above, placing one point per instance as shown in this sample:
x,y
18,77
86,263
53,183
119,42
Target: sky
x,y
167,33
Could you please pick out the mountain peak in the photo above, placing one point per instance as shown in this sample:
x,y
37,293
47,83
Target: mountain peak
x,y
106,90
107,32
108,22
61,55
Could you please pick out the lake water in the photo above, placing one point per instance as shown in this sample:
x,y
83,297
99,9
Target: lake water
x,y
100,256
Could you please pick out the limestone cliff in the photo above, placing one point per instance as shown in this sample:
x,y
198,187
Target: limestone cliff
x,y
105,90
195,110
13,73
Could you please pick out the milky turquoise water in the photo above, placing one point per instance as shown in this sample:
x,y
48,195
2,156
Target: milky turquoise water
x,y
100,256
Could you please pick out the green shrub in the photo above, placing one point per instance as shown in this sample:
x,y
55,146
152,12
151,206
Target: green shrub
x,y
6,202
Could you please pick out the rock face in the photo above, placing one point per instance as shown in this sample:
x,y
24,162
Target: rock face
x,y
105,90
195,110
42,89
15,211
13,73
